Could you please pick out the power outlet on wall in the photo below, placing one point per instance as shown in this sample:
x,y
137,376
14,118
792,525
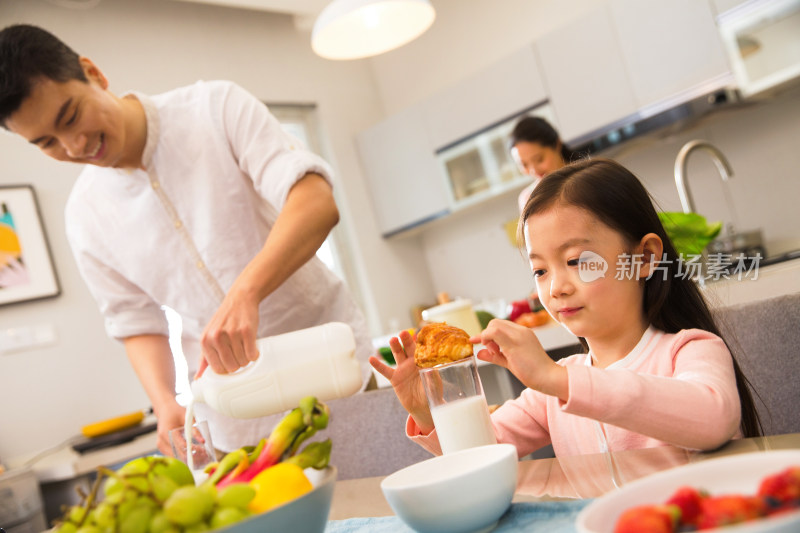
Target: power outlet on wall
x,y
26,338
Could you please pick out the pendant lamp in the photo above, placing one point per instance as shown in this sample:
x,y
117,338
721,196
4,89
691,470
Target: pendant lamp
x,y
352,29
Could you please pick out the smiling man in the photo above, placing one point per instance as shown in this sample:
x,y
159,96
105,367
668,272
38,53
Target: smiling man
x,y
195,199
79,120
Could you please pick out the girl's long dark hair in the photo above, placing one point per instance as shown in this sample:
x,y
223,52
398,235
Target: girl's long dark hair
x,y
672,301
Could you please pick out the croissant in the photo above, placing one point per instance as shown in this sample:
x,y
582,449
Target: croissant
x,y
439,343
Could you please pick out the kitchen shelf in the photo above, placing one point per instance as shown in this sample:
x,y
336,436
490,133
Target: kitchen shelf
x,y
480,166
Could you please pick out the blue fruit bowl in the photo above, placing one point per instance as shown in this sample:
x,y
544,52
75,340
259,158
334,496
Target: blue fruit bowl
x,y
306,514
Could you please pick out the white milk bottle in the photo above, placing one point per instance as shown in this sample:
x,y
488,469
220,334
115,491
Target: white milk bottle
x,y
318,361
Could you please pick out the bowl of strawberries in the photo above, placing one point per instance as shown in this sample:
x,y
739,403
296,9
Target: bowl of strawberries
x,y
754,493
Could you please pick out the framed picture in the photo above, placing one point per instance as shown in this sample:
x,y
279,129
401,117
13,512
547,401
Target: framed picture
x,y
26,266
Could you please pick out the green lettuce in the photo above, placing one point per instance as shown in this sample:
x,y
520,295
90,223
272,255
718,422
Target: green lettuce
x,y
689,232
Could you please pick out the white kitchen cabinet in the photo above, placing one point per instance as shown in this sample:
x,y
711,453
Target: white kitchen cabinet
x,y
503,89
404,177
762,40
481,167
586,77
669,47
721,6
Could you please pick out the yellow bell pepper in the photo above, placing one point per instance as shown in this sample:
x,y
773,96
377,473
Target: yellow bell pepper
x,y
277,485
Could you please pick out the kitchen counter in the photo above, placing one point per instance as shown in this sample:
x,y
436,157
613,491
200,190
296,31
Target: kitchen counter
x,y
772,280
66,464
62,470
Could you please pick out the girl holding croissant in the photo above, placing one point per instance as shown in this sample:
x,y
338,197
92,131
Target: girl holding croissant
x,y
655,370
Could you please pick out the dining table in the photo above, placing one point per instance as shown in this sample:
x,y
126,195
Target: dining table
x,y
550,492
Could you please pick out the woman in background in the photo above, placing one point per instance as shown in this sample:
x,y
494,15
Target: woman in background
x,y
537,149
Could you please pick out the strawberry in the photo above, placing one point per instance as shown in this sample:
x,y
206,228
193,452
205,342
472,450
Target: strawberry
x,y
783,487
688,500
717,511
648,519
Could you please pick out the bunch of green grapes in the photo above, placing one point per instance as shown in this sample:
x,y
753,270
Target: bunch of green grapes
x,y
155,494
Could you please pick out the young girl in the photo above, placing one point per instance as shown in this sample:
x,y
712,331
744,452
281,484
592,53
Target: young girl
x,y
656,372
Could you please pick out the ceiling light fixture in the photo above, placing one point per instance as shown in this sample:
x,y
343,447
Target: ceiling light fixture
x,y
352,29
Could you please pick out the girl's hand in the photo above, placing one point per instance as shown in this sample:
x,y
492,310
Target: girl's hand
x,y
518,349
405,380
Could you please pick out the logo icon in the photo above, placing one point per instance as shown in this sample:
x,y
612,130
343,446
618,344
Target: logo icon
x,y
591,266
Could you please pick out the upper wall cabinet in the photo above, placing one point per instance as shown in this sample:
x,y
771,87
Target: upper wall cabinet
x,y
499,91
669,47
584,71
404,177
721,6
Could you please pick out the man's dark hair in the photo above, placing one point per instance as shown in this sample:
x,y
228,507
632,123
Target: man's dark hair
x,y
28,53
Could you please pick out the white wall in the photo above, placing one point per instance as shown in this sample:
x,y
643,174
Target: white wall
x,y
466,36
760,141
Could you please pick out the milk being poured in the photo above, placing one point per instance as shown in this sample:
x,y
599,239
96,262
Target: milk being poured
x,y
187,434
317,361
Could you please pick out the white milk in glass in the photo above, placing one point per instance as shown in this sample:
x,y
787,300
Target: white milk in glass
x,y
462,424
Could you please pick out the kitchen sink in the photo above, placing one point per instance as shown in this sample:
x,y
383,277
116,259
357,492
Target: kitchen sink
x,y
788,256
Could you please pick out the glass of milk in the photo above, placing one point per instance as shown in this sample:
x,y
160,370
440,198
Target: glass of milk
x,y
458,406
202,450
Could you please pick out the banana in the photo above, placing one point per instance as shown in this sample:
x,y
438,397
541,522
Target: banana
x,y
112,424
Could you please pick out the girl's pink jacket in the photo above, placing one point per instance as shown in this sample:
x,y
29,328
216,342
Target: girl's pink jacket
x,y
677,389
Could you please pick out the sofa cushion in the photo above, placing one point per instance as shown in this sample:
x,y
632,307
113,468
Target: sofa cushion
x,y
368,435
765,338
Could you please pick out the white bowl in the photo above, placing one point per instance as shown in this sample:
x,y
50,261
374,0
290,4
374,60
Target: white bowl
x,y
734,474
462,492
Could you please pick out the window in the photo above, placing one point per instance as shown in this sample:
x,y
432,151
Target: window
x,y
300,121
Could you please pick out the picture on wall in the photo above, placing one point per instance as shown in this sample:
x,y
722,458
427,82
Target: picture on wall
x,y
26,266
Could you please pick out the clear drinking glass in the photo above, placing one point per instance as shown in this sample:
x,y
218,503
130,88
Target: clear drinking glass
x,y
202,450
458,405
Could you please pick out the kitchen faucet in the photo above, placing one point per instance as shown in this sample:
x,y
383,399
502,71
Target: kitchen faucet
x,y
750,242
682,161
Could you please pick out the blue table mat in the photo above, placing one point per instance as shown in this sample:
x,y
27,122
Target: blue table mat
x,y
550,517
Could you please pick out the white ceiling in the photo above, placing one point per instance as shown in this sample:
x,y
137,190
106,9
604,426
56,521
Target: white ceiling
x,y
304,12
303,8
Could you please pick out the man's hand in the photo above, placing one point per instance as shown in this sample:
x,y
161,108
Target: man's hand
x,y
229,340
169,417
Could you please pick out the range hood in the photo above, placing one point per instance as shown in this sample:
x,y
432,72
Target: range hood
x,y
675,112
762,41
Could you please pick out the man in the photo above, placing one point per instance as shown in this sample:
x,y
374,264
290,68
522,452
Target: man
x,y
194,199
